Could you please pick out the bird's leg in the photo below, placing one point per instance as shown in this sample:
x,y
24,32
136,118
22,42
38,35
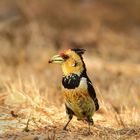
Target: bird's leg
x,y
90,122
88,127
70,118
70,114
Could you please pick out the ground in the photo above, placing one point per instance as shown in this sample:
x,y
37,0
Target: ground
x,y
31,104
30,92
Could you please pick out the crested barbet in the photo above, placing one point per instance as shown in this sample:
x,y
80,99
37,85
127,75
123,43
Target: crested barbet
x,y
77,89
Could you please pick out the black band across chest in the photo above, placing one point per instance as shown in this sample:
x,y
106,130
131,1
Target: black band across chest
x,y
71,82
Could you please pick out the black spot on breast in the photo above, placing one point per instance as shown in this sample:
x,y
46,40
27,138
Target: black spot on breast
x,y
71,82
84,113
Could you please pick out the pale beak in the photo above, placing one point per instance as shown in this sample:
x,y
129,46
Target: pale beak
x,y
56,59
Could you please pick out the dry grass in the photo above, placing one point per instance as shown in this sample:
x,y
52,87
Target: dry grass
x,y
31,92
31,105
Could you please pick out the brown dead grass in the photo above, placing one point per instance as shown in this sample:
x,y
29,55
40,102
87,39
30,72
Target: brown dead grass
x,y
32,92
30,88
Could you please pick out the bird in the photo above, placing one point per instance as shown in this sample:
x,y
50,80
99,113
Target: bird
x,y
77,89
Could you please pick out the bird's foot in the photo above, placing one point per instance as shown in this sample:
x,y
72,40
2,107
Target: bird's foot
x,y
65,128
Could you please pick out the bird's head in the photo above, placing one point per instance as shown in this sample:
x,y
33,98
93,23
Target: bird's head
x,y
71,61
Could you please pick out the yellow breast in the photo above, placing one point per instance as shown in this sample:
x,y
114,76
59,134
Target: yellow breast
x,y
78,100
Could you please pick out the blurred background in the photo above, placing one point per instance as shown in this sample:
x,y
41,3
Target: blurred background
x,y
31,31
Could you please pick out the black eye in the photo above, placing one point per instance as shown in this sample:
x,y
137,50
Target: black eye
x,y
65,57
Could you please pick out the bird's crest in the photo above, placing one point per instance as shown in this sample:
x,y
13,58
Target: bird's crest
x,y
78,51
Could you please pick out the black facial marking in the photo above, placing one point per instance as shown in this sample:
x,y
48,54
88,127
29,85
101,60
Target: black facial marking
x,y
65,57
72,81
